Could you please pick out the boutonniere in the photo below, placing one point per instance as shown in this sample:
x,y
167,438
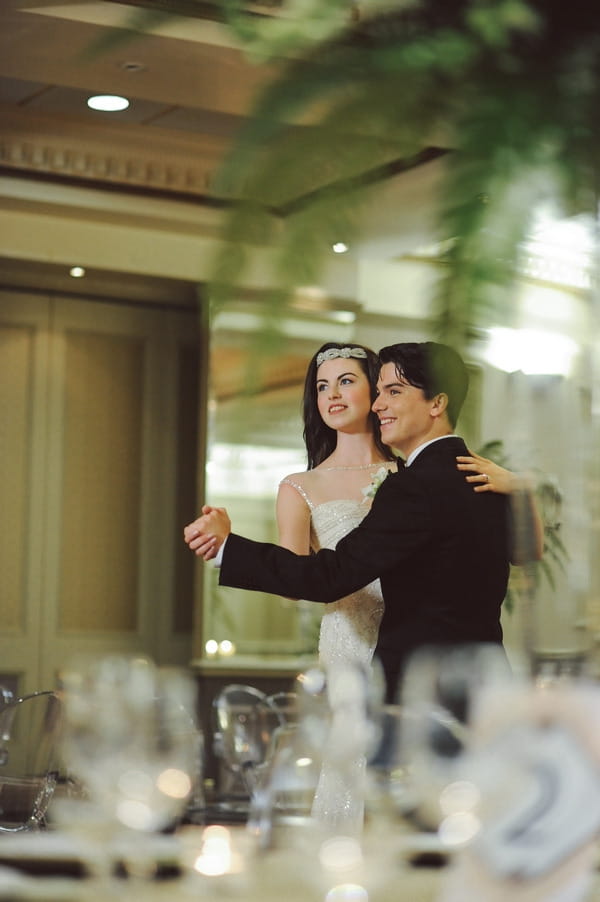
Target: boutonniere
x,y
376,479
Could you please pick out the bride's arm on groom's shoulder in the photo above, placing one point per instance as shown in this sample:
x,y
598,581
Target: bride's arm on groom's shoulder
x,y
487,476
293,519
527,542
205,535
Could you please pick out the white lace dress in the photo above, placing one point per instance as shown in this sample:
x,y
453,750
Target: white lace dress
x,y
346,644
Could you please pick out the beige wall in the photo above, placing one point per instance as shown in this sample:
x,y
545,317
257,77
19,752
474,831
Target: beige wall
x,y
96,398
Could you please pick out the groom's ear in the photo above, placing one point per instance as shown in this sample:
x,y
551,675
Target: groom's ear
x,y
439,404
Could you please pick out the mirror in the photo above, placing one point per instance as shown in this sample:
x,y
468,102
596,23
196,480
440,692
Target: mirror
x,y
254,439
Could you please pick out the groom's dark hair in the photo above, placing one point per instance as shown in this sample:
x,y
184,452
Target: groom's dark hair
x,y
432,367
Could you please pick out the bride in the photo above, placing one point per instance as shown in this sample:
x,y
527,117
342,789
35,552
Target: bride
x,y
315,509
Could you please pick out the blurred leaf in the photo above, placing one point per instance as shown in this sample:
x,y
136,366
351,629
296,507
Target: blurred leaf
x,y
513,85
554,553
364,89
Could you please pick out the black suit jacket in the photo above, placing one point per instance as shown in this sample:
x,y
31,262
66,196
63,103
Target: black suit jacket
x,y
440,549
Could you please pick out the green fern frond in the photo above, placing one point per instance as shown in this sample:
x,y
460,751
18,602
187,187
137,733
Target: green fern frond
x,y
514,87
494,450
557,553
546,569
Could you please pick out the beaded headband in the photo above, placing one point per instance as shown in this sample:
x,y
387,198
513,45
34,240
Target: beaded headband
x,y
332,353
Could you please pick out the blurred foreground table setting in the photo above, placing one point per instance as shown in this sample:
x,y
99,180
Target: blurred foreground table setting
x,y
477,786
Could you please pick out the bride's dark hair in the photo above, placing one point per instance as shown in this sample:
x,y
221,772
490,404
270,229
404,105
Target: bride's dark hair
x,y
320,439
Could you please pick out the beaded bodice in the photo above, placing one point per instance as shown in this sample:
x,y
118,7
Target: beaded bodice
x,y
350,625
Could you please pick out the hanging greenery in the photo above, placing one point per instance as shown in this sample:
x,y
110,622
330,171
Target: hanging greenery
x,y
507,90
513,87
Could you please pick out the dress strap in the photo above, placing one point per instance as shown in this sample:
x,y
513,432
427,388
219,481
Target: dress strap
x,y
299,489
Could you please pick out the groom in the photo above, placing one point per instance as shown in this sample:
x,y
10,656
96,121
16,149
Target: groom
x,y
440,550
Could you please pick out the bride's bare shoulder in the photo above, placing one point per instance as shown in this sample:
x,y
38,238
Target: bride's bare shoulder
x,y
302,479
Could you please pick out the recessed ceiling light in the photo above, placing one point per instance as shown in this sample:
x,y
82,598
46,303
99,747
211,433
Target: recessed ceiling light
x,y
108,103
339,247
77,272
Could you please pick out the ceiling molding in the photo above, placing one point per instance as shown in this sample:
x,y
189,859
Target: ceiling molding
x,y
60,147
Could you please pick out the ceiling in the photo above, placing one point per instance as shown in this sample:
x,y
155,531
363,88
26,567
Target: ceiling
x,y
187,86
184,77
190,90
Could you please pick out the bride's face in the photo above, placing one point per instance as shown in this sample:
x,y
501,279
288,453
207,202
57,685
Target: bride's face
x,y
343,394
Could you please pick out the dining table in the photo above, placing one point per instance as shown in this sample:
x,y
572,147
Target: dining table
x,y
228,863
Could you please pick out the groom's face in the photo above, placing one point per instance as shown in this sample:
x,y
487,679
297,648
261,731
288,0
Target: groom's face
x,y
403,411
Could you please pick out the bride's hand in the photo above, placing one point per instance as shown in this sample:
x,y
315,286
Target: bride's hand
x,y
486,475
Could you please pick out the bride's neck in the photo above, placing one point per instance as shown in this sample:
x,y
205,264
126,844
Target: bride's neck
x,y
354,450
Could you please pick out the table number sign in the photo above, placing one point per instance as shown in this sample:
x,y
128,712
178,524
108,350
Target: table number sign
x,y
535,759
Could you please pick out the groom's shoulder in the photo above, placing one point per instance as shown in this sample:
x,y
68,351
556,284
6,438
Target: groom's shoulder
x,y
440,453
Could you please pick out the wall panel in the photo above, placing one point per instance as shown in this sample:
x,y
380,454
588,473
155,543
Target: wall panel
x,y
16,356
101,481
99,404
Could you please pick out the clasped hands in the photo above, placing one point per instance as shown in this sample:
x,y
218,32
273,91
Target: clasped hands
x,y
205,535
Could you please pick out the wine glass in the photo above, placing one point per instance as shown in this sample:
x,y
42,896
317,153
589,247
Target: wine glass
x,y
440,693
131,741
29,729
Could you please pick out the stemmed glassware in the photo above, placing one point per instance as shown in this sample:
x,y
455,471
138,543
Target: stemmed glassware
x,y
440,693
131,741
29,729
422,765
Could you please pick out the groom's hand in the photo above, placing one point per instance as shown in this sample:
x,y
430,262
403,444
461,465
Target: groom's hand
x,y
206,534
